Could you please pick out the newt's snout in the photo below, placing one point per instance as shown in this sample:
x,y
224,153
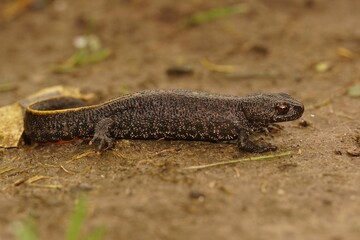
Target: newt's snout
x,y
299,109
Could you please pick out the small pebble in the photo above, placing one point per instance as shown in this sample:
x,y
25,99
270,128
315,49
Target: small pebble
x,y
354,152
197,195
338,152
304,123
179,71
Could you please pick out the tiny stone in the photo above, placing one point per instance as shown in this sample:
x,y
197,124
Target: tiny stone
x,y
304,123
281,192
338,152
354,152
197,195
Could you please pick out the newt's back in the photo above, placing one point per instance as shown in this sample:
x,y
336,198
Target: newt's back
x,y
177,114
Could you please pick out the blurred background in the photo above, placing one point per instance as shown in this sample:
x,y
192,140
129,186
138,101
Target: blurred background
x,y
307,48
118,46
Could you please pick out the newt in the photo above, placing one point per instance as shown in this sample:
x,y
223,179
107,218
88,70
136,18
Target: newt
x,y
161,114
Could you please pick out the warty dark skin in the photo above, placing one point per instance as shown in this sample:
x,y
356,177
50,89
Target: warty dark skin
x,y
161,114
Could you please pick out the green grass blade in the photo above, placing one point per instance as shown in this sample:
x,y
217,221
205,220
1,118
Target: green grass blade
x,y
77,219
354,91
96,234
215,13
25,230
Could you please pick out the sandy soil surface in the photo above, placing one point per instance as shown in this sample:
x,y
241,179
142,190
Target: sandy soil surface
x,y
139,189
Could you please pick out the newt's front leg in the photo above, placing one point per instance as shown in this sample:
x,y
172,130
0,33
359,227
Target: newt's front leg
x,y
102,139
245,144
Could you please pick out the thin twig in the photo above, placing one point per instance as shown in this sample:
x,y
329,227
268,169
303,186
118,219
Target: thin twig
x,y
66,170
81,155
32,182
56,186
6,169
264,157
37,178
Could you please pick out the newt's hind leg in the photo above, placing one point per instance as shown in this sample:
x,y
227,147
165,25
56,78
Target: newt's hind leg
x,y
245,144
102,139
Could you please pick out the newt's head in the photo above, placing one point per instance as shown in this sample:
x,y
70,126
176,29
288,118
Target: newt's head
x,y
263,109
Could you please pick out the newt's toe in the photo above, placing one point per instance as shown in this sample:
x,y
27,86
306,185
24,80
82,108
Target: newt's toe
x,y
102,143
264,148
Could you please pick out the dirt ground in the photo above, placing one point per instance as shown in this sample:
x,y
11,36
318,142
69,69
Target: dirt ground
x,y
139,190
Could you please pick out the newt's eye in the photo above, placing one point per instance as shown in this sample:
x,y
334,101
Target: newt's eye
x,y
282,108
